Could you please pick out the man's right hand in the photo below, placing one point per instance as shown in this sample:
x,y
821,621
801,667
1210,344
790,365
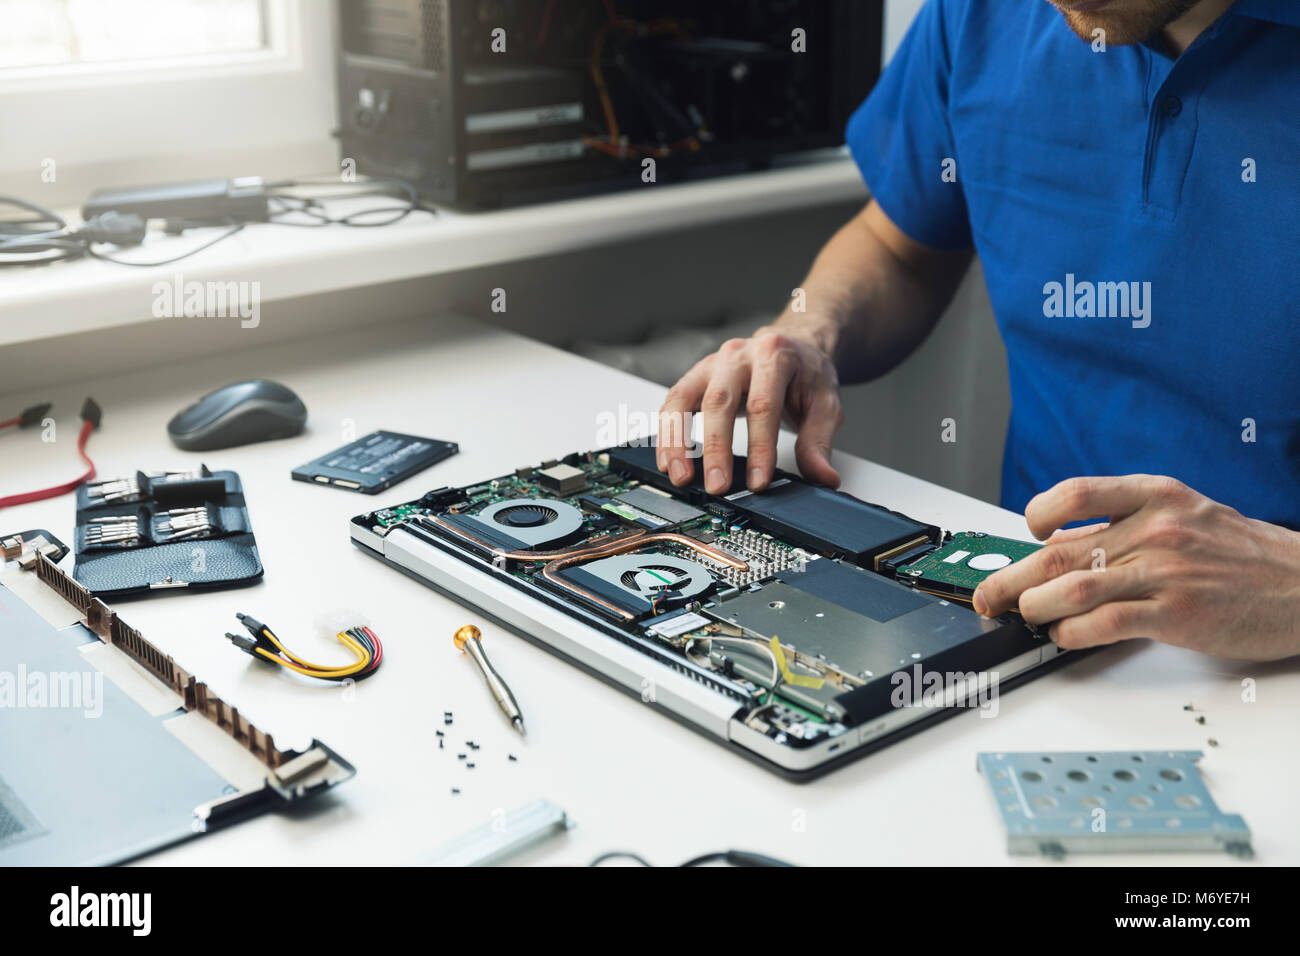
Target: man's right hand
x,y
872,296
772,374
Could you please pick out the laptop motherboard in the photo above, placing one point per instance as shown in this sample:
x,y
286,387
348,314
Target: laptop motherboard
x,y
799,602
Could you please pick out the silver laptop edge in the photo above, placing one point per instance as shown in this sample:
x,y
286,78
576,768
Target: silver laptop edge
x,y
710,710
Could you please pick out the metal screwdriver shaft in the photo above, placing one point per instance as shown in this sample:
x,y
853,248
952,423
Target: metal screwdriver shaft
x,y
470,640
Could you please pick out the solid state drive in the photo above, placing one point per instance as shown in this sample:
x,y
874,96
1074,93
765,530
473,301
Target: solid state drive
x,y
378,461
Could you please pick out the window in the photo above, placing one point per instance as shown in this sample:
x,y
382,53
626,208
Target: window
x,y
43,33
99,93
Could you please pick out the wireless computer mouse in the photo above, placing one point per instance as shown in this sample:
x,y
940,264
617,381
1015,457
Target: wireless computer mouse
x,y
238,414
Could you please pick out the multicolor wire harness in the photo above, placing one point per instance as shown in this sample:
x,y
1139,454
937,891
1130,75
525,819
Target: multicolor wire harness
x,y
264,645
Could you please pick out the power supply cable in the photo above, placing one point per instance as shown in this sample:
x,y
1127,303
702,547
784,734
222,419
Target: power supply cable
x,y
43,236
290,203
729,857
264,645
234,228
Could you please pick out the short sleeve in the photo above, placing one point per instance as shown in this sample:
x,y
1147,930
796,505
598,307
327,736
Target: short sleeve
x,y
901,138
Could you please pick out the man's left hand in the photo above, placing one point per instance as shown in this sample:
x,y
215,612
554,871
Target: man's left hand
x,y
1170,565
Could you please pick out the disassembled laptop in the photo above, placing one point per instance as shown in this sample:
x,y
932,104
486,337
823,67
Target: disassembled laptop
x,y
800,625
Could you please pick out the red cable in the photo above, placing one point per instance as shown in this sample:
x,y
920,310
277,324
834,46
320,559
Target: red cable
x,y
87,427
379,648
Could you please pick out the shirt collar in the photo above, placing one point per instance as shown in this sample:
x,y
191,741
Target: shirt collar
x,y
1277,11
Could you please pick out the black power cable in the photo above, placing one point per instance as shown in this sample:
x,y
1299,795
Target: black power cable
x,y
730,857
234,228
44,236
310,206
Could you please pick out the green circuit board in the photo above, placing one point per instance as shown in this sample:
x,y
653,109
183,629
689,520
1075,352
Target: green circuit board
x,y
596,495
958,567
715,586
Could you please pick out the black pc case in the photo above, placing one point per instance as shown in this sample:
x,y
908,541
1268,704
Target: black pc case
x,y
489,103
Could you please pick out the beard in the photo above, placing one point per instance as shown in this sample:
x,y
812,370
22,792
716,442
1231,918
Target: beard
x,y
1124,21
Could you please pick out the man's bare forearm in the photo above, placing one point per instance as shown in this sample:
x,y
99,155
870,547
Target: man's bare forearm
x,y
872,296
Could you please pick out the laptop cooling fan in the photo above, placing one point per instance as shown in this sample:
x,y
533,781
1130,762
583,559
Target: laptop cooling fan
x,y
660,579
534,521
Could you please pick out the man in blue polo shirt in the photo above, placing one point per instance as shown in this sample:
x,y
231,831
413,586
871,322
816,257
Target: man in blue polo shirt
x,y
1128,172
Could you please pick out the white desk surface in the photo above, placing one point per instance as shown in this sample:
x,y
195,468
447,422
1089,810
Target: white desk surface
x,y
630,779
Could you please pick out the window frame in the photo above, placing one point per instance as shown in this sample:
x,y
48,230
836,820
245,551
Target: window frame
x,y
134,121
276,33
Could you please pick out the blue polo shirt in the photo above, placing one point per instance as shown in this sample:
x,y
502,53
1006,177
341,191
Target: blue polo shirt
x,y
1138,221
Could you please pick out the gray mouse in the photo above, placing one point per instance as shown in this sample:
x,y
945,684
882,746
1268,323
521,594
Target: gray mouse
x,y
238,414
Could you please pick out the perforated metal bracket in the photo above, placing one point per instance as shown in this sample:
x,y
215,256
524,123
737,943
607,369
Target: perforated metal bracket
x,y
1112,801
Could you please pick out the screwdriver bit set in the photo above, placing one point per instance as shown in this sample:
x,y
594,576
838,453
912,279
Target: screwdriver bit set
x,y
164,530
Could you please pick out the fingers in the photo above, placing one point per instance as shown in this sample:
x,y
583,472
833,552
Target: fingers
x,y
812,449
727,386
674,423
764,373
773,372
1000,592
1118,621
1078,499
1082,531
1079,592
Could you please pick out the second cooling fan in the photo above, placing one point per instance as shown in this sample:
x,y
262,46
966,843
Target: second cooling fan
x,y
640,582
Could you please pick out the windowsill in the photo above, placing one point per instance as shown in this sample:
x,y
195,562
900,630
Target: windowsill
x,y
91,76
88,295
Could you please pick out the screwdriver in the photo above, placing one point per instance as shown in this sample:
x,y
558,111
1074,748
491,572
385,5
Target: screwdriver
x,y
470,640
